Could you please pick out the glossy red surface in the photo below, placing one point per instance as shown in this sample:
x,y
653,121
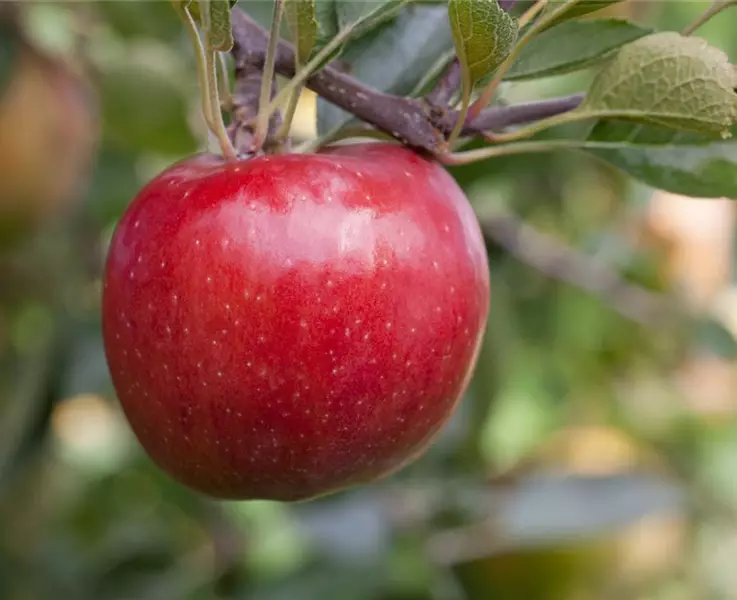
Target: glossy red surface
x,y
292,325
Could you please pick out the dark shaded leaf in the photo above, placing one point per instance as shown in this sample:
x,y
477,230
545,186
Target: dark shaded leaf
x,y
300,16
678,162
394,58
572,46
716,338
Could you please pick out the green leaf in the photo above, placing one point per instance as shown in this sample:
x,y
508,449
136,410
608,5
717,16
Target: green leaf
x,y
667,79
365,16
300,15
214,17
194,8
572,46
371,14
393,58
350,12
714,336
221,33
327,23
483,35
579,10
675,161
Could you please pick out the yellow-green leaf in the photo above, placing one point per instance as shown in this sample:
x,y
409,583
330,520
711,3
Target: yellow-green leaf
x,y
300,15
217,25
194,8
483,35
670,80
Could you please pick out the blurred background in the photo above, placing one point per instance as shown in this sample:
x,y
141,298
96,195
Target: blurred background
x,y
595,455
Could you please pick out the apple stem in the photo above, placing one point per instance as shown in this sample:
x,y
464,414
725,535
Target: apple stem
x,y
265,109
218,125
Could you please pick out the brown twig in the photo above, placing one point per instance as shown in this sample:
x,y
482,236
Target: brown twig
x,y
516,114
405,119
413,121
447,85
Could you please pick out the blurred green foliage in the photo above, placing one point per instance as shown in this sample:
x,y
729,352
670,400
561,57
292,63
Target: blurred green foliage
x,y
575,467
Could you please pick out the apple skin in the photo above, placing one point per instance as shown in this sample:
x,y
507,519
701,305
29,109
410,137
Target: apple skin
x,y
292,325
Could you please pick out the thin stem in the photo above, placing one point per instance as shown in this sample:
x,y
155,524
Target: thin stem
x,y
531,13
485,97
218,126
264,113
708,14
458,127
527,132
200,61
471,156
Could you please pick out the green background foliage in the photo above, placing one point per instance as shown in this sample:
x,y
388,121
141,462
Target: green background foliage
x,y
589,458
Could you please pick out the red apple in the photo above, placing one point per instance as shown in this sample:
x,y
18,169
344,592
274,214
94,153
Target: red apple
x,y
291,325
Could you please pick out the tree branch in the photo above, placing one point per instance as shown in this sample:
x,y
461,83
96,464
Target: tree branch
x,y
413,121
558,261
500,117
447,86
403,118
